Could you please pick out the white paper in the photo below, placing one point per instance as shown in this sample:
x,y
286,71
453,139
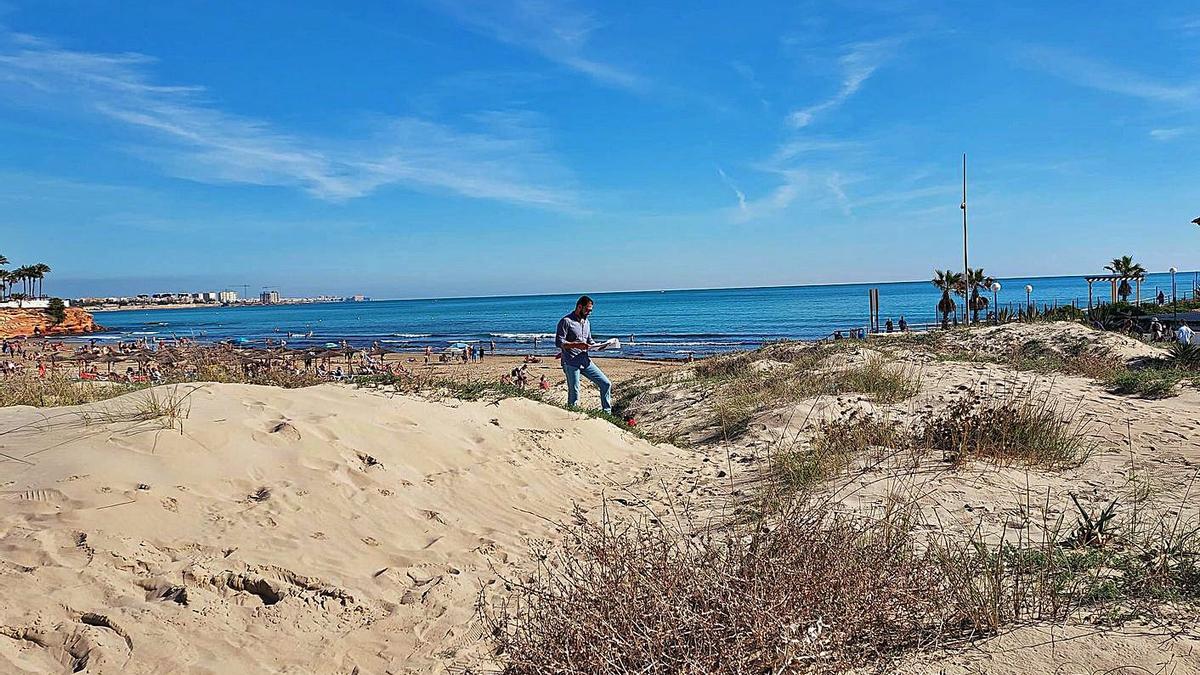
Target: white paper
x,y
610,343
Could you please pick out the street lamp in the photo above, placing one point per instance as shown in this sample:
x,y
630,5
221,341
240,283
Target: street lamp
x,y
995,301
1028,301
1174,307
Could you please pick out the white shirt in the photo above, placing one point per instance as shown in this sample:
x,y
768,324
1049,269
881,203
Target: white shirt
x,y
1184,334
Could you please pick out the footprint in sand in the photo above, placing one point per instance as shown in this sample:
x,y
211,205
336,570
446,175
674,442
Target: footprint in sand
x,y
285,429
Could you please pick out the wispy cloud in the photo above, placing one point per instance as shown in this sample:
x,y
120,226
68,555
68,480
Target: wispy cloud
x,y
557,30
741,196
792,184
1189,25
856,66
1102,76
1168,134
500,157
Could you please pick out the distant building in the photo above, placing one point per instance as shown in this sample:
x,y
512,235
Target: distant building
x,y
359,298
269,297
227,297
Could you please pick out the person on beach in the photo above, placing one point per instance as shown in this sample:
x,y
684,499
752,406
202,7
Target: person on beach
x,y
1184,334
888,326
544,384
903,324
574,337
1162,299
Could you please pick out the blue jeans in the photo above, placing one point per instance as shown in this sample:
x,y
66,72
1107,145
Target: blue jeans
x,y
593,373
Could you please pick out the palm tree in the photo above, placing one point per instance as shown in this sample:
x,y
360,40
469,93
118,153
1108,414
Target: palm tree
x,y
26,275
40,271
1128,269
18,276
975,280
946,281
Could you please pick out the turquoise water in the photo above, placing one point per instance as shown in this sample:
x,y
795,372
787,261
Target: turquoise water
x,y
661,323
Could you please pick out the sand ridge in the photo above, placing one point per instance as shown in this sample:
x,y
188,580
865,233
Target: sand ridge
x,y
310,530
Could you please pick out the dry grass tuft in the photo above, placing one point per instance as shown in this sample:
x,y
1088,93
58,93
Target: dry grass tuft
x,y
746,385
835,445
1025,428
807,588
57,389
811,588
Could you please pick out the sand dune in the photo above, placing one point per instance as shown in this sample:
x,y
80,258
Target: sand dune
x,y
312,530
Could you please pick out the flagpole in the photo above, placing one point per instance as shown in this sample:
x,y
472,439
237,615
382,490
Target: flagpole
x,y
966,268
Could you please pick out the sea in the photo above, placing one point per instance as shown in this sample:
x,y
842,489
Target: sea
x,y
650,324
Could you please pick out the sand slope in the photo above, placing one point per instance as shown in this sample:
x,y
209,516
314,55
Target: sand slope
x,y
313,530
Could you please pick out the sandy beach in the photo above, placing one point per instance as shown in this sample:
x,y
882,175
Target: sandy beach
x,y
216,528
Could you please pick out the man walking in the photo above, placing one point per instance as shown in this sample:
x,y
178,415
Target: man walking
x,y
1184,334
574,338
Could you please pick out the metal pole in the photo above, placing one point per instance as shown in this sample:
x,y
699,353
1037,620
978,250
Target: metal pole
x,y
966,267
1174,304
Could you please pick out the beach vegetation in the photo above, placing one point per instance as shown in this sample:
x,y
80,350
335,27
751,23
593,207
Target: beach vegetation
x,y
970,285
1025,428
946,281
57,310
1129,271
1151,382
57,389
1184,356
807,587
745,385
835,445
31,278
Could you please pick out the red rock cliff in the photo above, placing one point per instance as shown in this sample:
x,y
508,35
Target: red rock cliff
x,y
17,322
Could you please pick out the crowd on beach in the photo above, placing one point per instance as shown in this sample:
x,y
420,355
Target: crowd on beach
x,y
181,359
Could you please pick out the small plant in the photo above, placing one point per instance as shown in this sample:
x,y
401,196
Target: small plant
x,y
1093,529
1184,356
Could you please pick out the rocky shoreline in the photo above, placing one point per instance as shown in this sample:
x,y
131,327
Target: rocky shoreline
x,y
30,322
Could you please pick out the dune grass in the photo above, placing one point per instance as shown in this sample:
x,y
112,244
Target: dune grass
x,y
1025,428
808,587
747,384
57,389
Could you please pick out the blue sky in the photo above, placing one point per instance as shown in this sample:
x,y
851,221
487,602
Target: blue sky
x,y
446,147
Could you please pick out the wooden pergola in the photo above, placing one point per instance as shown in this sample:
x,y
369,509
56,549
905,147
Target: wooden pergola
x,y
1115,281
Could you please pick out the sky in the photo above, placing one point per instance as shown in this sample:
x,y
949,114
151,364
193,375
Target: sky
x,y
448,147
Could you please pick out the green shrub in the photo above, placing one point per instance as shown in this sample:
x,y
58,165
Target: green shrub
x,y
1150,382
1184,356
57,310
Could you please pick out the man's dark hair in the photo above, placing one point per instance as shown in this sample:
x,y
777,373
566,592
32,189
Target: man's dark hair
x,y
583,300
